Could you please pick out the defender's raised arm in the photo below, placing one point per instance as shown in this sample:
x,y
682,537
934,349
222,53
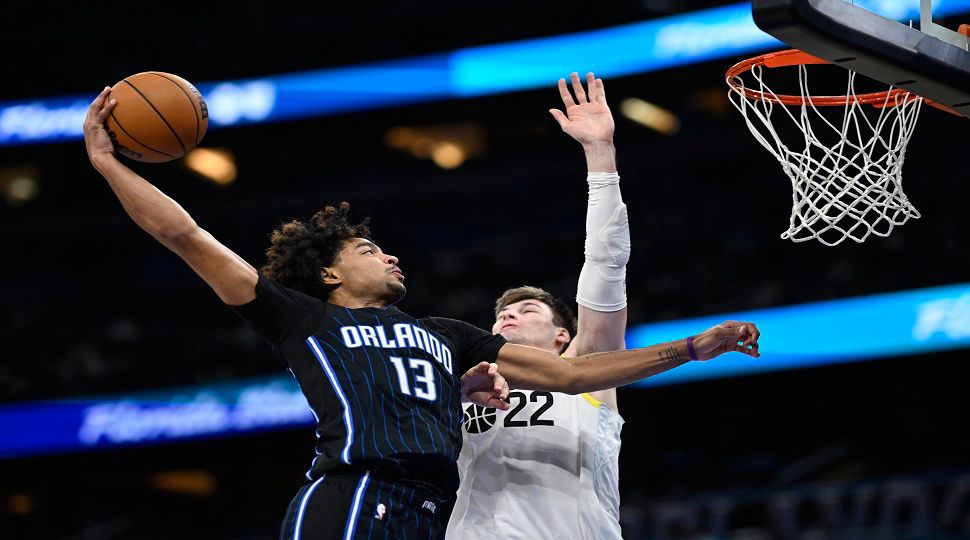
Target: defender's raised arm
x,y
231,277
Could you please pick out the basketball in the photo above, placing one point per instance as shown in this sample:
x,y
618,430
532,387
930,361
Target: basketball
x,y
158,117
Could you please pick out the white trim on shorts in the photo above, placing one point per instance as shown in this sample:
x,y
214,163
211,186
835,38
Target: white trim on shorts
x,y
299,515
355,507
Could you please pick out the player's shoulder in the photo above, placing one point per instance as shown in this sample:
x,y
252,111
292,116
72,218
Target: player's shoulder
x,y
449,325
441,321
266,286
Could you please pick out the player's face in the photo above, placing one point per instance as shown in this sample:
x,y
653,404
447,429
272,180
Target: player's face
x,y
368,272
529,322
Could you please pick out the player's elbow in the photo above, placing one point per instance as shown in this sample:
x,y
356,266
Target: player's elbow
x,y
172,227
180,236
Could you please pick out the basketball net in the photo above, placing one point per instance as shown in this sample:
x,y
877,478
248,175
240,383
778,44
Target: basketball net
x,y
845,167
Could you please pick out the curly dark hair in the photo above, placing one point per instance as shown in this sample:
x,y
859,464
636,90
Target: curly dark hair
x,y
299,249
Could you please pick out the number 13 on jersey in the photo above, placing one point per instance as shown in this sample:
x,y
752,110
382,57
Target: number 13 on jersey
x,y
423,386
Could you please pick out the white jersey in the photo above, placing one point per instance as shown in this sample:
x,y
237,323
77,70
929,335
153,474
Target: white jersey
x,y
546,468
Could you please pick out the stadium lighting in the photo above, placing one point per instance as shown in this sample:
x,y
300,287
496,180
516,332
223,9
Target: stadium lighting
x,y
650,115
214,164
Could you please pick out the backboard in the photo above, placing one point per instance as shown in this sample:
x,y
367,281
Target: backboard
x,y
928,60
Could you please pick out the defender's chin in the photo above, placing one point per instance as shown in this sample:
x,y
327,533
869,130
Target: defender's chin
x,y
513,337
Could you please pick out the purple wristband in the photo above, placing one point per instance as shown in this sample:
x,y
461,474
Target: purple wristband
x,y
690,348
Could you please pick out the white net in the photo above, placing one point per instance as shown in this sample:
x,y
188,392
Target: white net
x,y
845,167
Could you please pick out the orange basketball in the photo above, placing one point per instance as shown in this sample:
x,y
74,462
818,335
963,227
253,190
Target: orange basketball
x,y
159,117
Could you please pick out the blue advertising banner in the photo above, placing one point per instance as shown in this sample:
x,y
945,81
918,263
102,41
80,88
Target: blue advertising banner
x,y
241,406
797,336
820,333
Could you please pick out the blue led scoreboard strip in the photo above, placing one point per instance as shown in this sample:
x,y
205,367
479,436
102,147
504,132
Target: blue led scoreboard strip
x,y
725,31
241,406
797,336
835,331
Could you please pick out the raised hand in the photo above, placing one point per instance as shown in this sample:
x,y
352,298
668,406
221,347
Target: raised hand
x,y
482,385
587,118
96,138
728,336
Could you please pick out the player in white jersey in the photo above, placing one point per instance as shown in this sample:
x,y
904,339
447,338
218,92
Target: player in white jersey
x,y
548,467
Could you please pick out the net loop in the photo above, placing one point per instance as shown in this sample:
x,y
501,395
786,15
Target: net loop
x,y
846,166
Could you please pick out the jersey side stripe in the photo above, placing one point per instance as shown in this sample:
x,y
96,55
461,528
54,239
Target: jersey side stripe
x,y
348,421
355,507
299,515
362,423
371,384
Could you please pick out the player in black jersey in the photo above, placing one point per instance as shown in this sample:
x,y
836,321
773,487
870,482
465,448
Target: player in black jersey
x,y
385,387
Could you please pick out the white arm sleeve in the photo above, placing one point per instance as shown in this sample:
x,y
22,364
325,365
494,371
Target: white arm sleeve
x,y
602,282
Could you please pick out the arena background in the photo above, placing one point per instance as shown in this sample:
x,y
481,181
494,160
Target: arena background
x,y
94,307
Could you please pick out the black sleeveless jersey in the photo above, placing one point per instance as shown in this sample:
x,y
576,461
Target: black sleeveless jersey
x,y
385,387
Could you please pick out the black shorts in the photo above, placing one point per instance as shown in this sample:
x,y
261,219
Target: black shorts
x,y
360,505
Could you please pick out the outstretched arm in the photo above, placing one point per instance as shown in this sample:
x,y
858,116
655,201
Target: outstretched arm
x,y
601,292
536,369
231,277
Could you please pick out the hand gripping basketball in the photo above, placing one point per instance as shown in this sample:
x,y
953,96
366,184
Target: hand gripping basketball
x,y
150,117
728,336
96,138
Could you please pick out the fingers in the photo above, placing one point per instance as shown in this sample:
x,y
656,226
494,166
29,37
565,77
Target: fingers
x,y
98,102
567,98
560,117
591,87
600,91
97,105
498,404
751,351
596,90
749,334
105,111
499,385
473,370
746,336
100,108
755,334
578,88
